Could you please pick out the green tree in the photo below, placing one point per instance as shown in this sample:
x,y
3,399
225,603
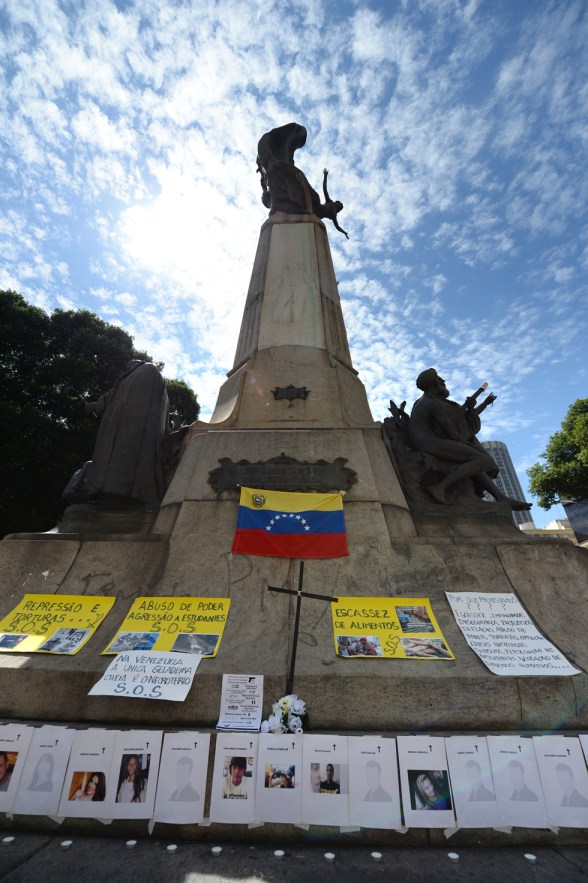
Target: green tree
x,y
564,475
48,365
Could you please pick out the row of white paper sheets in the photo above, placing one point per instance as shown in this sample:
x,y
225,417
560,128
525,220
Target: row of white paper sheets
x,y
365,781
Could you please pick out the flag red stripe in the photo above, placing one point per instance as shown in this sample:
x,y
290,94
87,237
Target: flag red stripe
x,y
261,542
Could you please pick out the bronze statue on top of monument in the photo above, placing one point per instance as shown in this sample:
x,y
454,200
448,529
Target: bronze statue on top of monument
x,y
286,188
446,431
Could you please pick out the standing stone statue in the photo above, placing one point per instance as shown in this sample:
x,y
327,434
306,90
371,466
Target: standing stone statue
x,y
127,458
447,430
285,188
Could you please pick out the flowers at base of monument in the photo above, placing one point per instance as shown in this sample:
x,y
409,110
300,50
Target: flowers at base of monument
x,y
288,715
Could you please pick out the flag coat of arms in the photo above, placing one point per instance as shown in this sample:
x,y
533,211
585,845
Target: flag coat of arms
x,y
289,525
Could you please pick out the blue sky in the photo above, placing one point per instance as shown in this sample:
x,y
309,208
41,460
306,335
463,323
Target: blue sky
x,y
456,135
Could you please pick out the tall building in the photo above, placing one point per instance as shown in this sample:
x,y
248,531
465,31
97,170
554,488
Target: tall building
x,y
508,481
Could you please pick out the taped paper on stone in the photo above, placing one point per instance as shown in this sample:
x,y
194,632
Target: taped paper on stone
x,y
500,631
473,789
133,774
14,745
279,779
52,623
564,779
389,628
424,780
181,785
149,675
374,789
325,782
518,785
181,624
43,775
233,781
88,783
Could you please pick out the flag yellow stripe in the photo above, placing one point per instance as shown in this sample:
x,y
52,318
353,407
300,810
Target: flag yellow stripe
x,y
284,501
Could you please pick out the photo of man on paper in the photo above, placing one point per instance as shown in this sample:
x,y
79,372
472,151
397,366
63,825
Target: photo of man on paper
x,y
376,793
184,792
521,789
326,778
565,779
478,790
7,761
235,783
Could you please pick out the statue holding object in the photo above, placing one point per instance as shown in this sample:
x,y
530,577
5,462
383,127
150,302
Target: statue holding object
x,y
448,431
285,187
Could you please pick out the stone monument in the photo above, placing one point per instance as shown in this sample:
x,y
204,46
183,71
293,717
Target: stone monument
x,y
293,415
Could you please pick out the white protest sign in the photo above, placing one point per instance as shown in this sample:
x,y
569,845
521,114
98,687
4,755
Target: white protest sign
x,y
564,778
426,794
133,774
241,702
499,630
325,783
517,781
87,780
42,778
148,675
279,778
14,744
182,778
471,782
374,791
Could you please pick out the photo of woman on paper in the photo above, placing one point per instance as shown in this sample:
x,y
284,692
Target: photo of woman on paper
x,y
88,786
43,776
429,790
133,779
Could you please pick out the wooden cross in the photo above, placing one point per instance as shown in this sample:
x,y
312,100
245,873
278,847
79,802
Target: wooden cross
x,y
299,596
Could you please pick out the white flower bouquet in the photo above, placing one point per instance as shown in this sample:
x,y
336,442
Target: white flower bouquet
x,y
288,715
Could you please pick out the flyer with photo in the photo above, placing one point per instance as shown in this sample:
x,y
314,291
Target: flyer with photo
x,y
88,783
133,774
325,780
53,623
424,780
279,778
233,780
374,790
43,775
181,786
517,781
14,745
473,788
564,778
182,624
387,628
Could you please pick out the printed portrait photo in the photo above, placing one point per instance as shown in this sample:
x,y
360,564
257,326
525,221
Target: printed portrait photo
x,y
429,789
414,619
329,778
133,641
43,775
203,645
425,648
87,786
65,640
9,642
184,792
7,762
237,777
133,778
356,645
279,776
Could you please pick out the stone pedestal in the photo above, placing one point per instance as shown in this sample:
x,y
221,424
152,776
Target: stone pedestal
x,y
293,339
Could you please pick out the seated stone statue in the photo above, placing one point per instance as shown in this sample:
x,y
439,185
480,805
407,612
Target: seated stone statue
x,y
448,430
127,458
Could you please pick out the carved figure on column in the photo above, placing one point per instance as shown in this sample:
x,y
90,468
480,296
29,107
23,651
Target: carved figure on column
x,y
448,430
285,187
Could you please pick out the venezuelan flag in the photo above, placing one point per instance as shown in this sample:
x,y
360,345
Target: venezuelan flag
x,y
286,525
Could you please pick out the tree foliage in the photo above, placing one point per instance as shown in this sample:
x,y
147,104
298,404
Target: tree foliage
x,y
48,365
564,475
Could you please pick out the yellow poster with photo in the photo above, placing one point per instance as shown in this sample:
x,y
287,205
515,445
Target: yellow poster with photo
x,y
52,623
388,628
188,625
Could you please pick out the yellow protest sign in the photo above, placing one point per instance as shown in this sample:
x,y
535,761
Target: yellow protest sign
x,y
52,623
191,625
391,628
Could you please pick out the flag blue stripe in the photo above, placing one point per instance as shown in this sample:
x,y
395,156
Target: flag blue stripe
x,y
291,522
